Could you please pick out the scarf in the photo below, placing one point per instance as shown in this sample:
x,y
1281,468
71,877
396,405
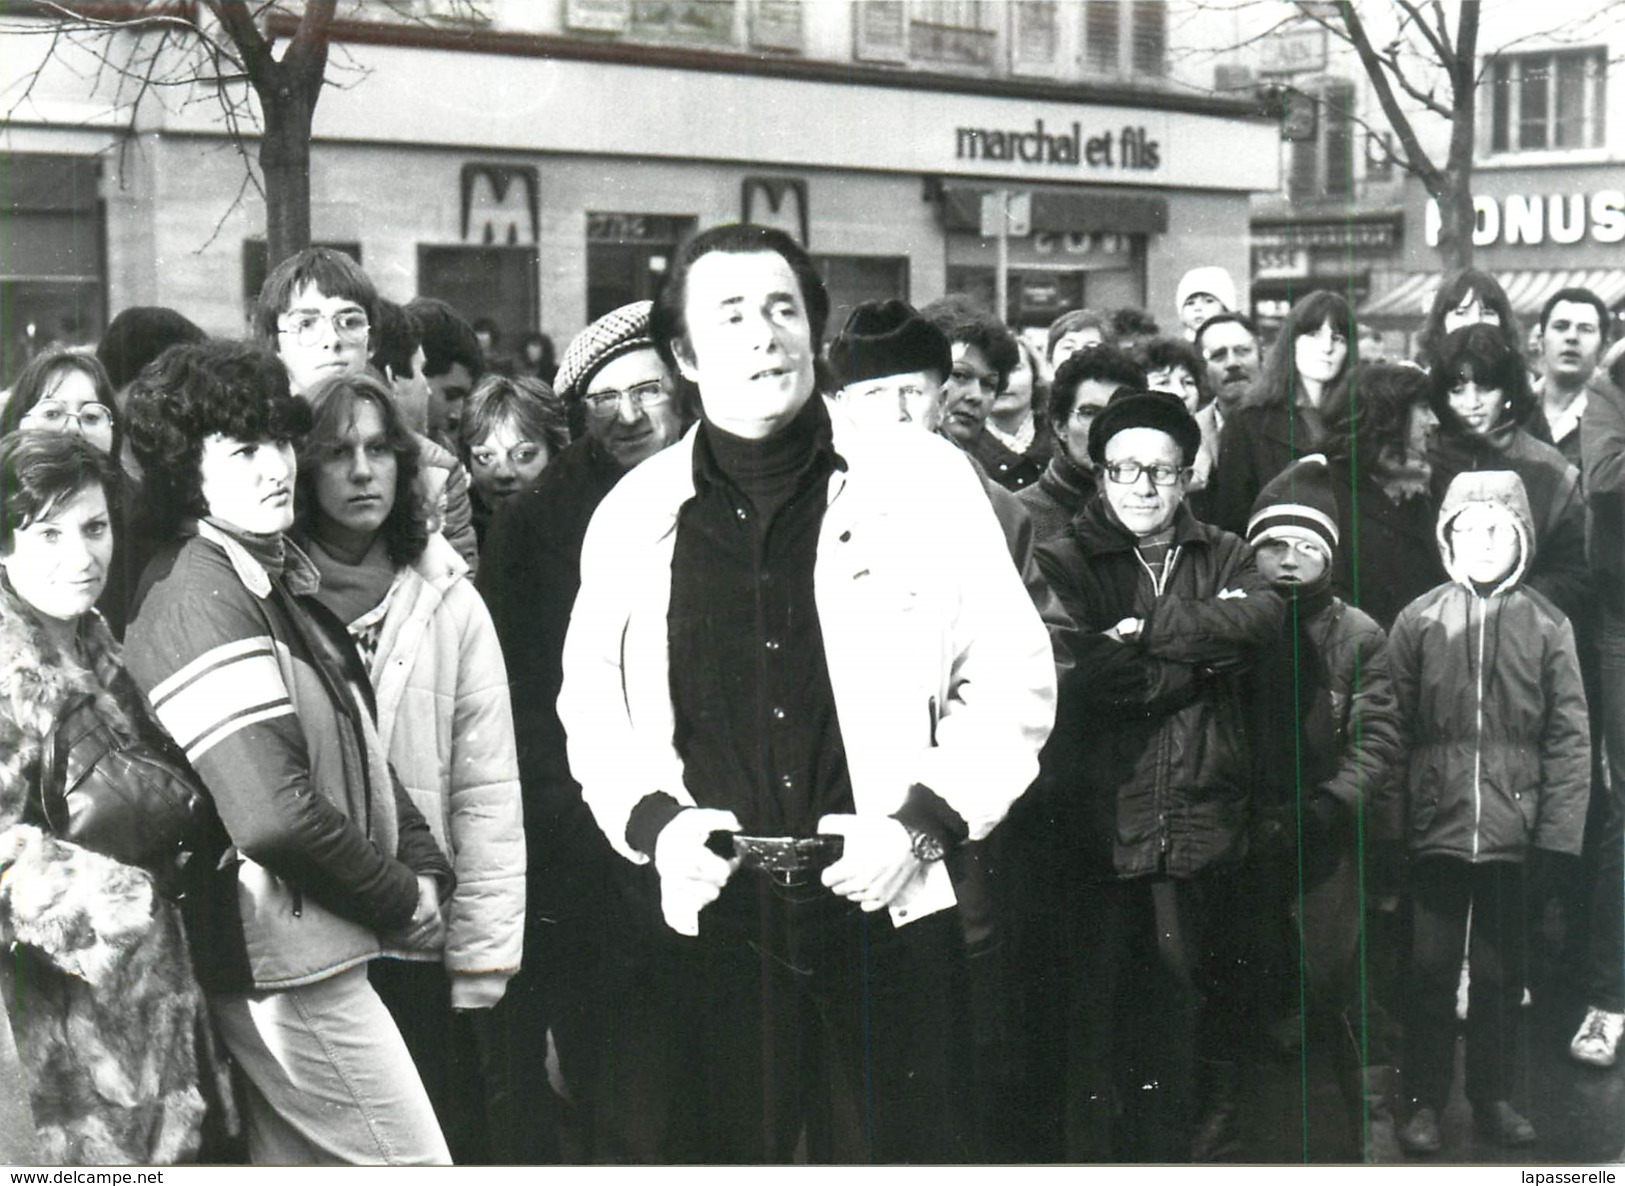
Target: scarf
x,y
352,590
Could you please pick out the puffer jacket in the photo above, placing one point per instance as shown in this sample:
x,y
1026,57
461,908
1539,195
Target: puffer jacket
x,y
445,720
242,667
1147,765
1492,710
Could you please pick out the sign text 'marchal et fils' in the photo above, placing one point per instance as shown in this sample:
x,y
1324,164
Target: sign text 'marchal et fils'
x,y
1129,148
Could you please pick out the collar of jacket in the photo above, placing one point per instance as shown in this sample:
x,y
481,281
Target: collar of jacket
x,y
708,473
1100,533
1065,477
257,560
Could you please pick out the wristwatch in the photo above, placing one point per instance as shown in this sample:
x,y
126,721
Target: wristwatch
x,y
925,846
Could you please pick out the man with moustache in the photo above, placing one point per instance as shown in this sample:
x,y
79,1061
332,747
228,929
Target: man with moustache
x,y
1228,343
792,631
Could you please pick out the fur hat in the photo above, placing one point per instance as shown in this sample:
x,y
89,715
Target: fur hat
x,y
1128,408
1297,504
883,338
615,333
1214,281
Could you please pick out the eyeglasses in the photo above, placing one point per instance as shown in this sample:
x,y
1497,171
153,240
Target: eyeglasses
x,y
1302,547
1484,530
54,414
1084,413
1126,473
645,395
522,454
306,325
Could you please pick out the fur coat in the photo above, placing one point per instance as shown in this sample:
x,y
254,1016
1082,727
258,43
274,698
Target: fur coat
x,y
97,979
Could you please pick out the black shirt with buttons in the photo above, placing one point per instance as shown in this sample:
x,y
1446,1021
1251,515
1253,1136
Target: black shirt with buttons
x,y
756,725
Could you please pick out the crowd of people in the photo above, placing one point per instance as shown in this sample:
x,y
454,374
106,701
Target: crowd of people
x,y
946,745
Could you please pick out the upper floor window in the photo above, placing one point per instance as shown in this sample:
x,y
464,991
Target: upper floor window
x,y
1548,100
1321,165
1144,50
953,31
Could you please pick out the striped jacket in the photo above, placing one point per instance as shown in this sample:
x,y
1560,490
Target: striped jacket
x,y
241,666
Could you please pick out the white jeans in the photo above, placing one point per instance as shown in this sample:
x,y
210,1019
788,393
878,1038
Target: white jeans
x,y
329,1080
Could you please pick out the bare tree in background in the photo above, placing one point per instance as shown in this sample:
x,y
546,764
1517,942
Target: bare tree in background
x,y
215,48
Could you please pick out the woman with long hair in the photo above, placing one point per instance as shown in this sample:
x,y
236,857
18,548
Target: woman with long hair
x,y
1470,297
437,671
331,863
107,1016
1305,374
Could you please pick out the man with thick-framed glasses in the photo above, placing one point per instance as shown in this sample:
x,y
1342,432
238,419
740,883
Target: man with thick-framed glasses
x,y
1146,771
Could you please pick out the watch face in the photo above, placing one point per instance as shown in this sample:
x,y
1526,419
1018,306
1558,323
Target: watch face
x,y
926,847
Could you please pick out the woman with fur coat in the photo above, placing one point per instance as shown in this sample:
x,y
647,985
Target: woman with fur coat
x,y
97,983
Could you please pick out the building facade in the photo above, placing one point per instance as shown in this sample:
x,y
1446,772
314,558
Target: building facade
x,y
538,165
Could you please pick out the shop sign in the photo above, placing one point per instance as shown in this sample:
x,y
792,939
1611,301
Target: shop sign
x,y
1337,236
633,228
500,204
1293,51
1520,219
776,202
1131,148
1280,263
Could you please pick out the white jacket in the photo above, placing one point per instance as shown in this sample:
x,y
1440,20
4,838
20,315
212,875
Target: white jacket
x,y
941,669
444,717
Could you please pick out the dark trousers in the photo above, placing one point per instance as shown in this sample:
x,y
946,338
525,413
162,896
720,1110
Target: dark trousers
x,y
1443,890
464,1069
795,1017
1135,963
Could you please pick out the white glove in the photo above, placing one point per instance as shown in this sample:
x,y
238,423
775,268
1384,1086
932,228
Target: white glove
x,y
691,875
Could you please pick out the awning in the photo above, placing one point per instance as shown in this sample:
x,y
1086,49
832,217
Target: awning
x,y
1527,291
1061,209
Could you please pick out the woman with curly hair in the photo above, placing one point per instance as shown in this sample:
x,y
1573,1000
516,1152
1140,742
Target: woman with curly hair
x,y
511,429
443,716
106,1014
1284,417
330,861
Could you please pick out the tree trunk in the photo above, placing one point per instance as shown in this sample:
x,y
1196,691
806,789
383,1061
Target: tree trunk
x,y
1457,219
285,163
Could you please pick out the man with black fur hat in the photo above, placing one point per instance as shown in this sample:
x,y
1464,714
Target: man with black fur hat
x,y
1147,773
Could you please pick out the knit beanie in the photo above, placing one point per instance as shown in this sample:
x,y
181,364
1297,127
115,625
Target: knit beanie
x,y
1129,408
615,333
1214,281
1297,504
889,337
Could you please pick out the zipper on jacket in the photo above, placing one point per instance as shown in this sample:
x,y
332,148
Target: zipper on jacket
x,y
1159,583
1478,742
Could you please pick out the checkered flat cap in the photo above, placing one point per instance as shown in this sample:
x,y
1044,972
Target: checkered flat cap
x,y
615,333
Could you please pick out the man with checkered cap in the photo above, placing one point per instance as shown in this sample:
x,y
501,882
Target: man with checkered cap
x,y
614,383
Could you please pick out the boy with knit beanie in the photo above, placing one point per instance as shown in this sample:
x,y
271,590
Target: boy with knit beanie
x,y
1325,738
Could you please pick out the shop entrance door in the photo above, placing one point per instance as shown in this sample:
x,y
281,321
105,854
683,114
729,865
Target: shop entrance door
x,y
495,282
627,257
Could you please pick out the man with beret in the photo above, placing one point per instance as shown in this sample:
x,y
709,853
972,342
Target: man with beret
x,y
800,675
583,899
1148,773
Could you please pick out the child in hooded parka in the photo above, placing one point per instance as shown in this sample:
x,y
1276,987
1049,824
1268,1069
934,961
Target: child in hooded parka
x,y
1488,682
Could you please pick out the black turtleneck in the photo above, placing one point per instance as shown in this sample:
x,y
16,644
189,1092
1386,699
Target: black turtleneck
x,y
755,714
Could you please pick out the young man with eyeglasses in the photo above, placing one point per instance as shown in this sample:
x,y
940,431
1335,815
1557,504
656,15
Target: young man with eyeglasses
x,y
1146,773
582,978
316,312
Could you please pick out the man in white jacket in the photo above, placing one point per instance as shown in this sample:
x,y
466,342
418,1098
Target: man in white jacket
x,y
800,673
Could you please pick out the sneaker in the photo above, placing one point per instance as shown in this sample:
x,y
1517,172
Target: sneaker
x,y
1421,1132
1502,1125
1597,1042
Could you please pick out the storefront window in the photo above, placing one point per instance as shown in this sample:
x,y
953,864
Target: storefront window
x,y
498,283
52,288
627,257
1541,101
853,279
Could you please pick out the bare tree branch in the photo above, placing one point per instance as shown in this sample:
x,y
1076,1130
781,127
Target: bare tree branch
x,y
1414,17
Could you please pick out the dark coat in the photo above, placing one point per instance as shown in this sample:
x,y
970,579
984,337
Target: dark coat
x,y
1387,555
1602,445
1012,470
1060,493
1492,711
1148,762
1258,442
